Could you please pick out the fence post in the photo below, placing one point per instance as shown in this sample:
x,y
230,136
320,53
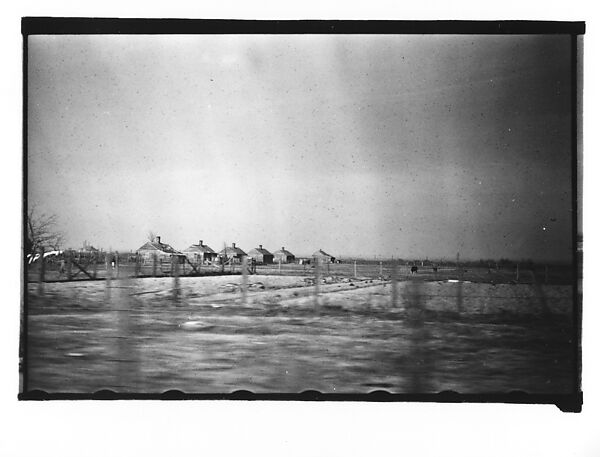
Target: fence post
x,y
394,284
244,280
175,274
317,280
94,266
381,269
355,269
138,265
69,265
279,266
458,268
154,262
42,273
108,276
117,264
459,297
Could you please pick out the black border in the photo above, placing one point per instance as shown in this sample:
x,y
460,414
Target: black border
x,y
565,402
577,274
25,309
93,26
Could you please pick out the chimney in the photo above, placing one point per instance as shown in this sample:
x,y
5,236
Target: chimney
x,y
260,246
200,243
233,245
158,239
282,248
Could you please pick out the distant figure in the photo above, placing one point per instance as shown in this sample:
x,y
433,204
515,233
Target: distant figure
x,y
435,269
61,268
414,269
113,262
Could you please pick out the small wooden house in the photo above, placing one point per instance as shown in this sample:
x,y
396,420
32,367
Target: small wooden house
x,y
323,257
260,255
284,256
200,253
163,251
88,251
232,253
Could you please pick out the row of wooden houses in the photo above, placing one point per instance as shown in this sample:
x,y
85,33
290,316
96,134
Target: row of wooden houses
x,y
202,254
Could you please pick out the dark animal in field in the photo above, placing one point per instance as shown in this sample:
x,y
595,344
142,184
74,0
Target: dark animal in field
x,y
435,269
414,269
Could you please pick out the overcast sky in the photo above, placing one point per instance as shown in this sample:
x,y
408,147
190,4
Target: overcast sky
x,y
412,146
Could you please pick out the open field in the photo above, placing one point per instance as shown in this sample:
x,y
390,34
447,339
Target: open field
x,y
207,335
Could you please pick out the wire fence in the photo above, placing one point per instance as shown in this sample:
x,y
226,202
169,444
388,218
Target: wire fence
x,y
102,266
74,266
322,280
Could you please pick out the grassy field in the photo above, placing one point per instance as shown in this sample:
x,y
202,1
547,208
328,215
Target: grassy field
x,y
212,334
471,330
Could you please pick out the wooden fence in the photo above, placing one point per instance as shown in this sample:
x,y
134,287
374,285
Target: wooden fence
x,y
72,266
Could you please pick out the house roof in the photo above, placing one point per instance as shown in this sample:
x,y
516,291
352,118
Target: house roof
x,y
199,248
156,246
87,247
321,253
231,250
259,251
283,252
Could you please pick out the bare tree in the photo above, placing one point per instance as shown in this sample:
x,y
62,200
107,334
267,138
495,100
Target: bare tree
x,y
42,232
151,235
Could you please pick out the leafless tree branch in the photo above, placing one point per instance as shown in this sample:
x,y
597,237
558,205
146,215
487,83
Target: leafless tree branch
x,y
42,232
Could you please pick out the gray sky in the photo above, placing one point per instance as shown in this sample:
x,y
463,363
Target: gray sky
x,y
412,146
